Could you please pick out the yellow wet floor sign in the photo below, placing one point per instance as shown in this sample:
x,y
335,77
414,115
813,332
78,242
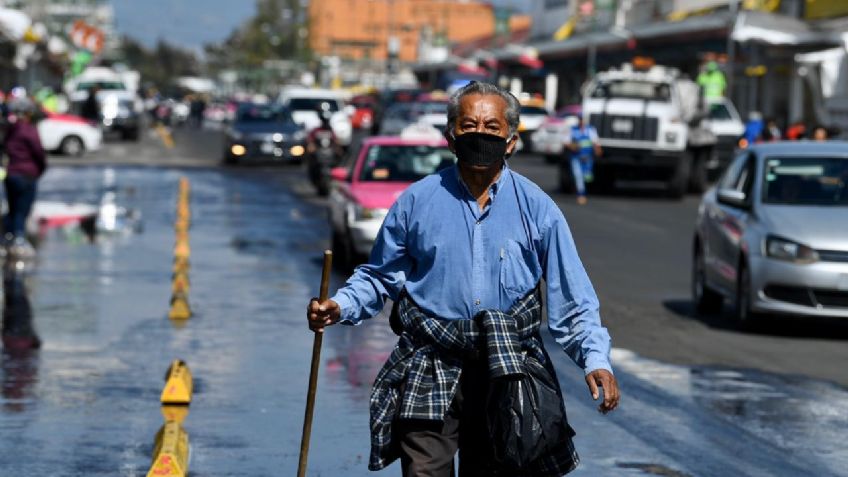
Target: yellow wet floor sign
x,y
170,454
178,384
180,310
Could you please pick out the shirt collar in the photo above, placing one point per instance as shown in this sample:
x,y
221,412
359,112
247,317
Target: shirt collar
x,y
493,189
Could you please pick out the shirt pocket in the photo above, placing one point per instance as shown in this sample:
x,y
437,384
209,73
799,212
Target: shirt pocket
x,y
519,269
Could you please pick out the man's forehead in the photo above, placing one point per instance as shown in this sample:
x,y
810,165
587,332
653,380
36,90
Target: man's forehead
x,y
476,103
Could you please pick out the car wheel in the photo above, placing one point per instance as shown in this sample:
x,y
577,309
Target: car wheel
x,y
72,146
706,300
742,312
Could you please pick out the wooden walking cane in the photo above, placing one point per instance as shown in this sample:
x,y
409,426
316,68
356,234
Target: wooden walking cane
x,y
313,372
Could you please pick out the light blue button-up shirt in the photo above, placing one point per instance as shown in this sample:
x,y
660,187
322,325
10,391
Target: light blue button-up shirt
x,y
455,260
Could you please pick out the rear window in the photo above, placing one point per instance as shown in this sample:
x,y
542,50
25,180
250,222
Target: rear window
x,y
632,89
404,163
312,104
533,110
262,113
806,181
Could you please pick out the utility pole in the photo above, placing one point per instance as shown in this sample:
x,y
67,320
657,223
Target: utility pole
x,y
731,49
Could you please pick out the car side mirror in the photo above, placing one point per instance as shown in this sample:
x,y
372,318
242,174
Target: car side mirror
x,y
733,197
339,174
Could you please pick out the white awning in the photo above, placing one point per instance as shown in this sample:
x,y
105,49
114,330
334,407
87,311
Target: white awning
x,y
14,23
780,30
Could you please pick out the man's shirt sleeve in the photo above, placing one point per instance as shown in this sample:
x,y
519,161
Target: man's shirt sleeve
x,y
573,315
365,292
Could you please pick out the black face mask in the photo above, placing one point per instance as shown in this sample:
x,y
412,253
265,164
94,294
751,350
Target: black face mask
x,y
479,149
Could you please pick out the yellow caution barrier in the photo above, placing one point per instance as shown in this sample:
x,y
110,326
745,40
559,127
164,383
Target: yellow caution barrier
x,y
171,452
180,284
182,250
180,309
181,265
178,384
175,413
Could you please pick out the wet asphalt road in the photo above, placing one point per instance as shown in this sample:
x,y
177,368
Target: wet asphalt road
x,y
700,398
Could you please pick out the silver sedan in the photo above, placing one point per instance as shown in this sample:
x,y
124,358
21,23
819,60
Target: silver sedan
x,y
772,236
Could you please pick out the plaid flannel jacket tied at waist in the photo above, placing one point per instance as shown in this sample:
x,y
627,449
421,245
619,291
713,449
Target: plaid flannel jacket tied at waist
x,y
426,364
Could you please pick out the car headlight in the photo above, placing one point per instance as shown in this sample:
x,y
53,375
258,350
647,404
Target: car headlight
x,y
788,250
671,136
366,213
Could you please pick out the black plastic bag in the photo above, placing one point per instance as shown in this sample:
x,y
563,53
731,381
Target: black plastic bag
x,y
525,416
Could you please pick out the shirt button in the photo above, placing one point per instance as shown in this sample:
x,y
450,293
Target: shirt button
x,y
477,302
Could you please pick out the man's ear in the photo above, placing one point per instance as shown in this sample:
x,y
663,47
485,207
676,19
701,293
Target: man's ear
x,y
511,144
449,138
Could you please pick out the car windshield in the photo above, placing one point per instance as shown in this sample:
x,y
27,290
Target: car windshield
x,y
633,89
806,181
432,107
719,112
399,111
534,110
404,163
312,104
263,113
100,85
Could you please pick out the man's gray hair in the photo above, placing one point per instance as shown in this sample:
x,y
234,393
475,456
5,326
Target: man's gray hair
x,y
513,107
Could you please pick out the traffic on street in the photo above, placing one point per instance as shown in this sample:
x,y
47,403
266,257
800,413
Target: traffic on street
x,y
678,228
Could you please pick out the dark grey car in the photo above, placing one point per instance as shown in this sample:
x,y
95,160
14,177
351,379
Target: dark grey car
x,y
264,132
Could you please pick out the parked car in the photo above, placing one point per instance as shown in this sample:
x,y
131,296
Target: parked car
x,y
264,131
724,121
550,139
365,188
533,115
431,109
772,236
120,108
304,104
71,135
396,118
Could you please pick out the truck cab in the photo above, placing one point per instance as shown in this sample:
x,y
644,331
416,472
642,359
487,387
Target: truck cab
x,y
649,125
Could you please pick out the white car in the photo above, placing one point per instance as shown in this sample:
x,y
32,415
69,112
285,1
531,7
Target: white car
x,y
304,102
724,121
71,135
550,139
532,118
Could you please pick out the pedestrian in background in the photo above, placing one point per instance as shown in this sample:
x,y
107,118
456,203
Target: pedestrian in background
x,y
820,133
583,147
90,107
463,253
26,163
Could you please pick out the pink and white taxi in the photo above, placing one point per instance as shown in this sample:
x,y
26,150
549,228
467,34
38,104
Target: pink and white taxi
x,y
374,177
69,134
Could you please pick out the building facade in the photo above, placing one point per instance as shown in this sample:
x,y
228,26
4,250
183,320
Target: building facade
x,y
380,29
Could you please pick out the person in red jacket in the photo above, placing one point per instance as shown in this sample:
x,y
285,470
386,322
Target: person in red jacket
x,y
26,163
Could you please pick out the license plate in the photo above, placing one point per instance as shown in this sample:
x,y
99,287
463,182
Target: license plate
x,y
267,148
622,125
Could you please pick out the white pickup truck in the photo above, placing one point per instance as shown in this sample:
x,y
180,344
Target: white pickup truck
x,y
650,127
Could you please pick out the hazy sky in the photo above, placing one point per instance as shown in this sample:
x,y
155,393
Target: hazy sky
x,y
188,23
191,23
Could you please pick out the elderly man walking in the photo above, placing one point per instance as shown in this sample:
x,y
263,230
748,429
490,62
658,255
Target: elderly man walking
x,y
463,253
